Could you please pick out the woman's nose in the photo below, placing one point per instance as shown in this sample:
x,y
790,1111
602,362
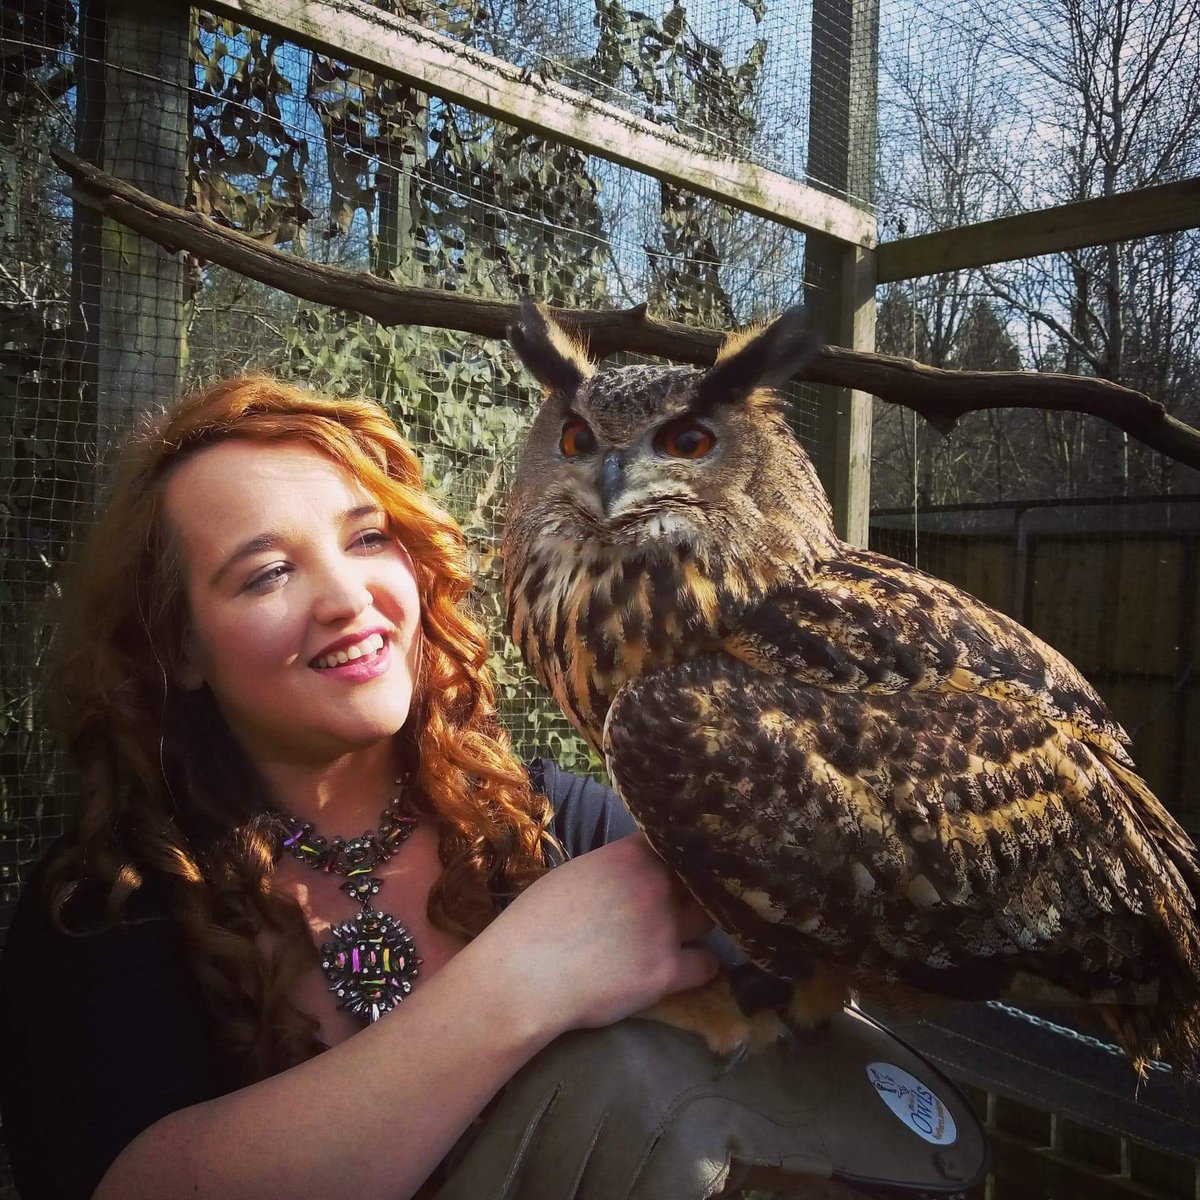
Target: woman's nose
x,y
341,594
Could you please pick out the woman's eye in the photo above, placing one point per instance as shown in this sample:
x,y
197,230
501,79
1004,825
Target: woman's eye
x,y
577,438
268,579
373,539
684,439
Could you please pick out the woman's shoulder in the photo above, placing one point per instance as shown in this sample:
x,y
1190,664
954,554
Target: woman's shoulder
x,y
85,935
103,1030
587,814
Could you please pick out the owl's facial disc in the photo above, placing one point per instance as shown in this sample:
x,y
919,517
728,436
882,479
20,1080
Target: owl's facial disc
x,y
639,487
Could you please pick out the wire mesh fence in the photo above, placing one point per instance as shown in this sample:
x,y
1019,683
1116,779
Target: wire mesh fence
x,y
340,166
979,113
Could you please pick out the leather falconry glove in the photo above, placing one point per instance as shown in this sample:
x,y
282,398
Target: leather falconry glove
x,y
644,1111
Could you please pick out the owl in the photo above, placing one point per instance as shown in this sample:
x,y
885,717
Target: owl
x,y
871,780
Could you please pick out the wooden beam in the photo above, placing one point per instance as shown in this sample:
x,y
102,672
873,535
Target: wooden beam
x,y
391,45
1167,208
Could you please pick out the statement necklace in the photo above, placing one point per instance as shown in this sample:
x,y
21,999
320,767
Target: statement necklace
x,y
370,960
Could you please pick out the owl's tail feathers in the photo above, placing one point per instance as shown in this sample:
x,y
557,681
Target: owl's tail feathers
x,y
1166,834
1169,1029
1167,1032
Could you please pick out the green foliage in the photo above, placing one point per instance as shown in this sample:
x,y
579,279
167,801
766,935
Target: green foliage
x,y
453,199
248,163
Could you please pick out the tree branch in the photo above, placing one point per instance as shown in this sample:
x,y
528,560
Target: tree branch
x,y
997,289
940,396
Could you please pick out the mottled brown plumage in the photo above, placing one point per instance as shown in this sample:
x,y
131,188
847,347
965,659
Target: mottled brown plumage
x,y
845,759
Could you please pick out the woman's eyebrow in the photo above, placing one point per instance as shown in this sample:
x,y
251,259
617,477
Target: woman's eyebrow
x,y
363,510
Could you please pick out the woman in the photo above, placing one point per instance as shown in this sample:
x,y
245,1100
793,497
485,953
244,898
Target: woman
x,y
265,647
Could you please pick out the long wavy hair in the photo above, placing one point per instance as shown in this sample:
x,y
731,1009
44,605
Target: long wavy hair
x,y
172,816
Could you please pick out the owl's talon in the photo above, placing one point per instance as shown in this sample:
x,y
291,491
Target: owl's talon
x,y
713,1012
736,1058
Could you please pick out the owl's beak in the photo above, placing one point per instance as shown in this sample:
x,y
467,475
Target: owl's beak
x,y
612,479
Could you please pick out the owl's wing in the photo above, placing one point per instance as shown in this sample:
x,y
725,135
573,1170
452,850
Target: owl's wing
x,y
950,840
868,623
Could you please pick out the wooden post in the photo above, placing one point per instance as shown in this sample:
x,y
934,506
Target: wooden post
x,y
141,314
840,278
1019,611
398,187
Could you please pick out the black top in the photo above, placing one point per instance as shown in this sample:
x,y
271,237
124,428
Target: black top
x,y
101,1036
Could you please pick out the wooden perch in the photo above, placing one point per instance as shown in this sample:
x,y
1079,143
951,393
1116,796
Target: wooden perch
x,y
940,396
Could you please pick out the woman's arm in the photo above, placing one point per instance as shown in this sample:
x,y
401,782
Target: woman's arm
x,y
591,942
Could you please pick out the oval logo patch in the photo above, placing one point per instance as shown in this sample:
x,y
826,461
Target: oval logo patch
x,y
913,1103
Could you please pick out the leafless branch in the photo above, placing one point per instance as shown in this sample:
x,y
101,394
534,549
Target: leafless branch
x,y
999,290
940,396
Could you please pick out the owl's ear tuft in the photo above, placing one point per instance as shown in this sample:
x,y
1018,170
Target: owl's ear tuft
x,y
759,357
556,358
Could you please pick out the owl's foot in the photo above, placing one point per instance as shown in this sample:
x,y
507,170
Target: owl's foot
x,y
816,999
712,1011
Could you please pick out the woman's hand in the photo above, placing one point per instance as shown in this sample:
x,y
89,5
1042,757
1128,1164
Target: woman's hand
x,y
601,937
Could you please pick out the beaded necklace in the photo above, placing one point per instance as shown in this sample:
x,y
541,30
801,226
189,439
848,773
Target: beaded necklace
x,y
370,960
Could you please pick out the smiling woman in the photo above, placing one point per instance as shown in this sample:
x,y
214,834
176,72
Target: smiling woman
x,y
264,647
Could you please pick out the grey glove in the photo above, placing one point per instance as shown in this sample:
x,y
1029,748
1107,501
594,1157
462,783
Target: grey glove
x,y
643,1111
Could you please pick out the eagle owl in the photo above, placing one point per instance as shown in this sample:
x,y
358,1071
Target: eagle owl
x,y
868,778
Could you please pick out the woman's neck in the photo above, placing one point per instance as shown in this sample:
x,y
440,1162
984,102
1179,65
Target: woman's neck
x,y
341,798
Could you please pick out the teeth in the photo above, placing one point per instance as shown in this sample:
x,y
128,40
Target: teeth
x,y
369,645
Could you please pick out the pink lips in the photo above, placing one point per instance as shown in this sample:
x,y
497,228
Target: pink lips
x,y
361,670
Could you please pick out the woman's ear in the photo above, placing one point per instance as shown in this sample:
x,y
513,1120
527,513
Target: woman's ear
x,y
186,672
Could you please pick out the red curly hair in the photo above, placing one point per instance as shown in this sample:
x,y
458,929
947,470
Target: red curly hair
x,y
172,816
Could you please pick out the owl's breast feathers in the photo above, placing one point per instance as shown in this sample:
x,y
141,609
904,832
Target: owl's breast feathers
x,y
590,617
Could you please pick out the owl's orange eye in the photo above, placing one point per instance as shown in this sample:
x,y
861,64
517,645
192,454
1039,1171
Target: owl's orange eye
x,y
684,439
577,438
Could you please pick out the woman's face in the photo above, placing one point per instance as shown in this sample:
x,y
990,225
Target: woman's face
x,y
305,617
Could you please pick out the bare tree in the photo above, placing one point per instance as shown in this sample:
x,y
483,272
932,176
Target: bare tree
x,y
1038,103
1121,105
